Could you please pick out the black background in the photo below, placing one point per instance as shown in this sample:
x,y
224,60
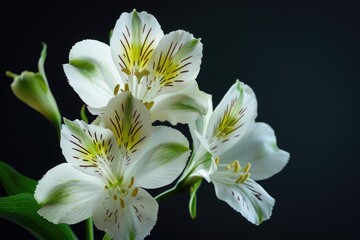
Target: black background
x,y
302,60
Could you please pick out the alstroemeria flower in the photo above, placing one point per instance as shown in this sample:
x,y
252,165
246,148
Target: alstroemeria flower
x,y
233,151
158,69
33,89
109,166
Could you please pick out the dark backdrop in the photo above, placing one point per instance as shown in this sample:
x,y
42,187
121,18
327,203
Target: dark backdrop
x,y
302,60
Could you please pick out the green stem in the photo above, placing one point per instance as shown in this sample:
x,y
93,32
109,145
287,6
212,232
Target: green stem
x,y
11,74
89,229
164,195
183,183
58,131
180,187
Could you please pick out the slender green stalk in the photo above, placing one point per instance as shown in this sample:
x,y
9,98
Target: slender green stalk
x,y
89,229
164,195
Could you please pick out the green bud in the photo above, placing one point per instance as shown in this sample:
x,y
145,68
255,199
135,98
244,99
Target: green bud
x,y
33,89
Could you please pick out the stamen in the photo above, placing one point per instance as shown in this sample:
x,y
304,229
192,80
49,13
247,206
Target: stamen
x,y
134,192
123,192
115,197
237,166
244,175
122,203
116,89
141,74
240,179
148,105
127,71
131,182
228,167
247,175
247,167
217,159
126,88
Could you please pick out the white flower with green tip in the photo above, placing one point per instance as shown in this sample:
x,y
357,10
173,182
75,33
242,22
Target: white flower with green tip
x,y
158,69
107,168
233,151
33,89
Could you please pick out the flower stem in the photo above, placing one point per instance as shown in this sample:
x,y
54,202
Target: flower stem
x,y
89,229
180,187
11,74
164,195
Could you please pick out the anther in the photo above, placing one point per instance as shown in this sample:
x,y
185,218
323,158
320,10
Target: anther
x,y
247,175
237,166
217,159
126,88
116,89
247,167
148,105
134,192
122,203
115,197
127,71
131,182
228,167
240,179
141,74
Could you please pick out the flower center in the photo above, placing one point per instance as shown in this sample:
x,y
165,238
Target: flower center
x,y
148,105
242,174
119,191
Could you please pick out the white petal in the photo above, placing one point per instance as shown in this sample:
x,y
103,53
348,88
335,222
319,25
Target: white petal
x,y
259,148
231,118
199,126
204,166
92,73
162,161
67,195
90,149
175,63
133,41
132,220
130,121
249,198
184,106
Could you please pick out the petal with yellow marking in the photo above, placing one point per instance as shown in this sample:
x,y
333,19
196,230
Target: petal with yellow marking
x,y
130,121
133,41
175,63
89,148
231,118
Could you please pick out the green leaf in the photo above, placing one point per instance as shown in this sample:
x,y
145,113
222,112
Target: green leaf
x,y
22,209
193,199
14,182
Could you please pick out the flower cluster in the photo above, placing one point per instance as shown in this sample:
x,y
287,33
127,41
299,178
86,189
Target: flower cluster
x,y
142,78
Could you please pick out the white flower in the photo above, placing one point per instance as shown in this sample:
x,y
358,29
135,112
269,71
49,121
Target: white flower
x,y
158,69
107,168
233,151
34,90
